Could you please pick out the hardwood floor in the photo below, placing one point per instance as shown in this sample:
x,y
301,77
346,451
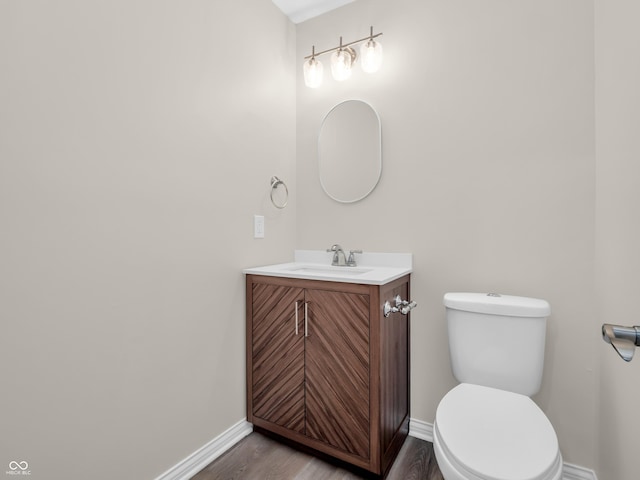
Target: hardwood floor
x,y
258,457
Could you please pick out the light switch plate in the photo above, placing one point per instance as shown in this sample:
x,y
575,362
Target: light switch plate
x,y
258,226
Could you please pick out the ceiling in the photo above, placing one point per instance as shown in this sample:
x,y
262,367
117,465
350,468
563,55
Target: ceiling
x,y
300,10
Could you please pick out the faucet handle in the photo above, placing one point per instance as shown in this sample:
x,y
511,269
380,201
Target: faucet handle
x,y
334,248
352,259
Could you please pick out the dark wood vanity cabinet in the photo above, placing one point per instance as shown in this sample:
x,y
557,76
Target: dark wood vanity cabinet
x,y
326,369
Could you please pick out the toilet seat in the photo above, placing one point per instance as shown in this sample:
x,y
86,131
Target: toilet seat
x,y
490,434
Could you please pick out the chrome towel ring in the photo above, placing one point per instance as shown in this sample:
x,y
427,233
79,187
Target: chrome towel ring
x,y
275,183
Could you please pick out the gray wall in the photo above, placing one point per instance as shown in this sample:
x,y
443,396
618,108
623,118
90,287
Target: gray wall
x,y
488,177
618,228
137,140
136,143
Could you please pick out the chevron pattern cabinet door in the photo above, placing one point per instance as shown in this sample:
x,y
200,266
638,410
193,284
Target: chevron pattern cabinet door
x,y
337,370
278,355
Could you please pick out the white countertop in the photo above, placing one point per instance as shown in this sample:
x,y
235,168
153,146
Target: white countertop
x,y
372,268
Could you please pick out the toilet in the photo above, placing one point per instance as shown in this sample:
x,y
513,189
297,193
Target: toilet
x,y
487,427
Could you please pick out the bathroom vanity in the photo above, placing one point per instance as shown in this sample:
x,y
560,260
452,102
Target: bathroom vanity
x,y
326,369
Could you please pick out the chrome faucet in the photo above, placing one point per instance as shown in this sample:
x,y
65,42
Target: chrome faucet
x,y
339,258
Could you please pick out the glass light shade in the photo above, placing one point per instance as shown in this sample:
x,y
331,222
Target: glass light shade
x,y
341,65
312,73
371,56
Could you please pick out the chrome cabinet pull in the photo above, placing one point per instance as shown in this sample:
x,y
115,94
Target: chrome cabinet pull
x,y
296,307
306,319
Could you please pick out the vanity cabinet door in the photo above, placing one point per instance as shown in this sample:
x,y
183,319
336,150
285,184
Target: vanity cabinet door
x,y
337,364
278,355
340,383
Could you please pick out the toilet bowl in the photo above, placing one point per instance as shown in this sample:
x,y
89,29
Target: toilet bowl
x,y
482,433
487,427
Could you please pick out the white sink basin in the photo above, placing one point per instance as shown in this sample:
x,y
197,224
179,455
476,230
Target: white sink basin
x,y
329,270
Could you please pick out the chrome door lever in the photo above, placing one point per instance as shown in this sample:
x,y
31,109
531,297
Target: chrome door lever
x,y
624,340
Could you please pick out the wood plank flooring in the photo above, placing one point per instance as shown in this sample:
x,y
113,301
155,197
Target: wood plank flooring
x,y
257,457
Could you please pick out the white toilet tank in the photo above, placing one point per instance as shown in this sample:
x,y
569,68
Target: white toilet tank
x,y
497,340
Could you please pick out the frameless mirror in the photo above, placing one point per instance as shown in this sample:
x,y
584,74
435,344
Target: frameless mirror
x,y
350,151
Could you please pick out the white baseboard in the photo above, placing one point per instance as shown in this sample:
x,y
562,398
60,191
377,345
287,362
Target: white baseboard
x,y
424,431
421,430
575,472
202,457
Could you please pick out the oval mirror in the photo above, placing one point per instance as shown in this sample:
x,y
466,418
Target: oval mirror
x,y
350,151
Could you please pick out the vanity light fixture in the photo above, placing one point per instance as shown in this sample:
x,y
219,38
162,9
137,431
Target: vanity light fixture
x,y
313,71
342,60
371,53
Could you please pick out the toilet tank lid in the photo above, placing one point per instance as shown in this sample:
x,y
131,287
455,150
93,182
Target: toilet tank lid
x,y
496,304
